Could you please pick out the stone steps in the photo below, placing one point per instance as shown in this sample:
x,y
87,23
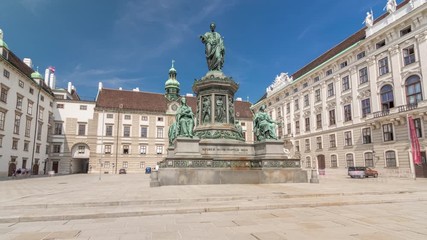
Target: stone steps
x,y
115,209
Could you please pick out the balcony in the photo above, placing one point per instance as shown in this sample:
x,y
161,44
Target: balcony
x,y
397,110
408,107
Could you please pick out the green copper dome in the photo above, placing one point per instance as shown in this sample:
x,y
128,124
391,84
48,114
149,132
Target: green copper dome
x,y
36,75
172,82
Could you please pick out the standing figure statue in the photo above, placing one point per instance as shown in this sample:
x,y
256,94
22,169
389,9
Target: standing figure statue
x,y
184,119
264,126
369,20
220,109
206,110
230,110
391,6
214,49
239,129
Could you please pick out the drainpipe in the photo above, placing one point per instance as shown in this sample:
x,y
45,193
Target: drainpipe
x,y
117,135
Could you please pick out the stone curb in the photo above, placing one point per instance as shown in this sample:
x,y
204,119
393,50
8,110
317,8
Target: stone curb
x,y
198,210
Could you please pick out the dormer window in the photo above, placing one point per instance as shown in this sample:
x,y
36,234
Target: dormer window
x,y
5,53
361,55
343,64
405,31
329,72
380,44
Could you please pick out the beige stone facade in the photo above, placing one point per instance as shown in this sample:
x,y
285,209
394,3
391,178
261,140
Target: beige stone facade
x,y
349,107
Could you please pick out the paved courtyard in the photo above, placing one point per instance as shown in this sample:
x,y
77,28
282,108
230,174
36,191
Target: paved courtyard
x,y
124,207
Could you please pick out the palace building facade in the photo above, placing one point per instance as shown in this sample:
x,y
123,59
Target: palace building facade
x,y
350,106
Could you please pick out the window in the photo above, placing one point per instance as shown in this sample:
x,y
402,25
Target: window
x,y
383,66
26,146
1,141
109,130
418,128
369,159
413,90
28,127
319,142
296,105
363,75
331,90
144,131
6,73
126,131
332,141
143,149
390,159
142,165
125,164
30,107
307,145
408,55
329,72
288,108
21,83
295,90
279,112
3,95
316,79
159,149
297,129
366,107
17,124
361,55
388,132
306,101
31,90
125,149
308,162
387,98
14,144
319,121
348,141
159,119
349,159
107,149
2,119
81,150
334,162
366,135
405,31
160,132
60,105
345,83
317,95
19,100
307,124
42,98
332,117
83,107
82,129
286,94
128,117
38,148
110,115
56,148
297,146
144,118
347,113
304,85
58,129
380,44
288,128
39,130
343,64
107,164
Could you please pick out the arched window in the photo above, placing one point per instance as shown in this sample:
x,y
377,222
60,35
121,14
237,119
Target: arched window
x,y
387,98
350,160
413,90
308,162
390,159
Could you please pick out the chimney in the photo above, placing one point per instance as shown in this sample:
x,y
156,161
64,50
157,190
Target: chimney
x,y
99,86
136,89
69,87
47,76
52,81
189,95
120,88
239,99
28,62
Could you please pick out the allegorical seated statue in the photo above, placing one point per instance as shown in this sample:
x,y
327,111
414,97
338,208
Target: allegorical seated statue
x,y
185,120
214,49
264,126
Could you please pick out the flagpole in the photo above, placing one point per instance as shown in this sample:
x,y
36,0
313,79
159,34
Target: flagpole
x,y
411,158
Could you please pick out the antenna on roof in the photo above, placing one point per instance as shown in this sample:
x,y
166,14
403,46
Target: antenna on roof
x,y
173,61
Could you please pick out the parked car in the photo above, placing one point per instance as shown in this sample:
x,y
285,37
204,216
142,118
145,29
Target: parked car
x,y
361,172
122,171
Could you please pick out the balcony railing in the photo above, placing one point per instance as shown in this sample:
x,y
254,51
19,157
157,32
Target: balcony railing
x,y
381,113
407,107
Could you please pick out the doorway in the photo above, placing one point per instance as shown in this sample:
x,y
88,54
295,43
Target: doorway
x,y
12,169
421,170
321,165
55,166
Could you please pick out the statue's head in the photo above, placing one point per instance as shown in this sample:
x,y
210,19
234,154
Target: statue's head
x,y
183,101
212,27
262,108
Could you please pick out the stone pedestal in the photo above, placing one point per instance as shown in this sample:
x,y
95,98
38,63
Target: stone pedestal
x,y
314,178
154,179
188,147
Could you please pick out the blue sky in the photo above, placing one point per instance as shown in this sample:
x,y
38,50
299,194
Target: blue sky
x,y
130,43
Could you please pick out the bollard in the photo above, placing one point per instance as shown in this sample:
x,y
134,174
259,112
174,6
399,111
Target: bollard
x,y
154,179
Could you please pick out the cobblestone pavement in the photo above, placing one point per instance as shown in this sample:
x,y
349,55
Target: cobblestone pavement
x,y
124,207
